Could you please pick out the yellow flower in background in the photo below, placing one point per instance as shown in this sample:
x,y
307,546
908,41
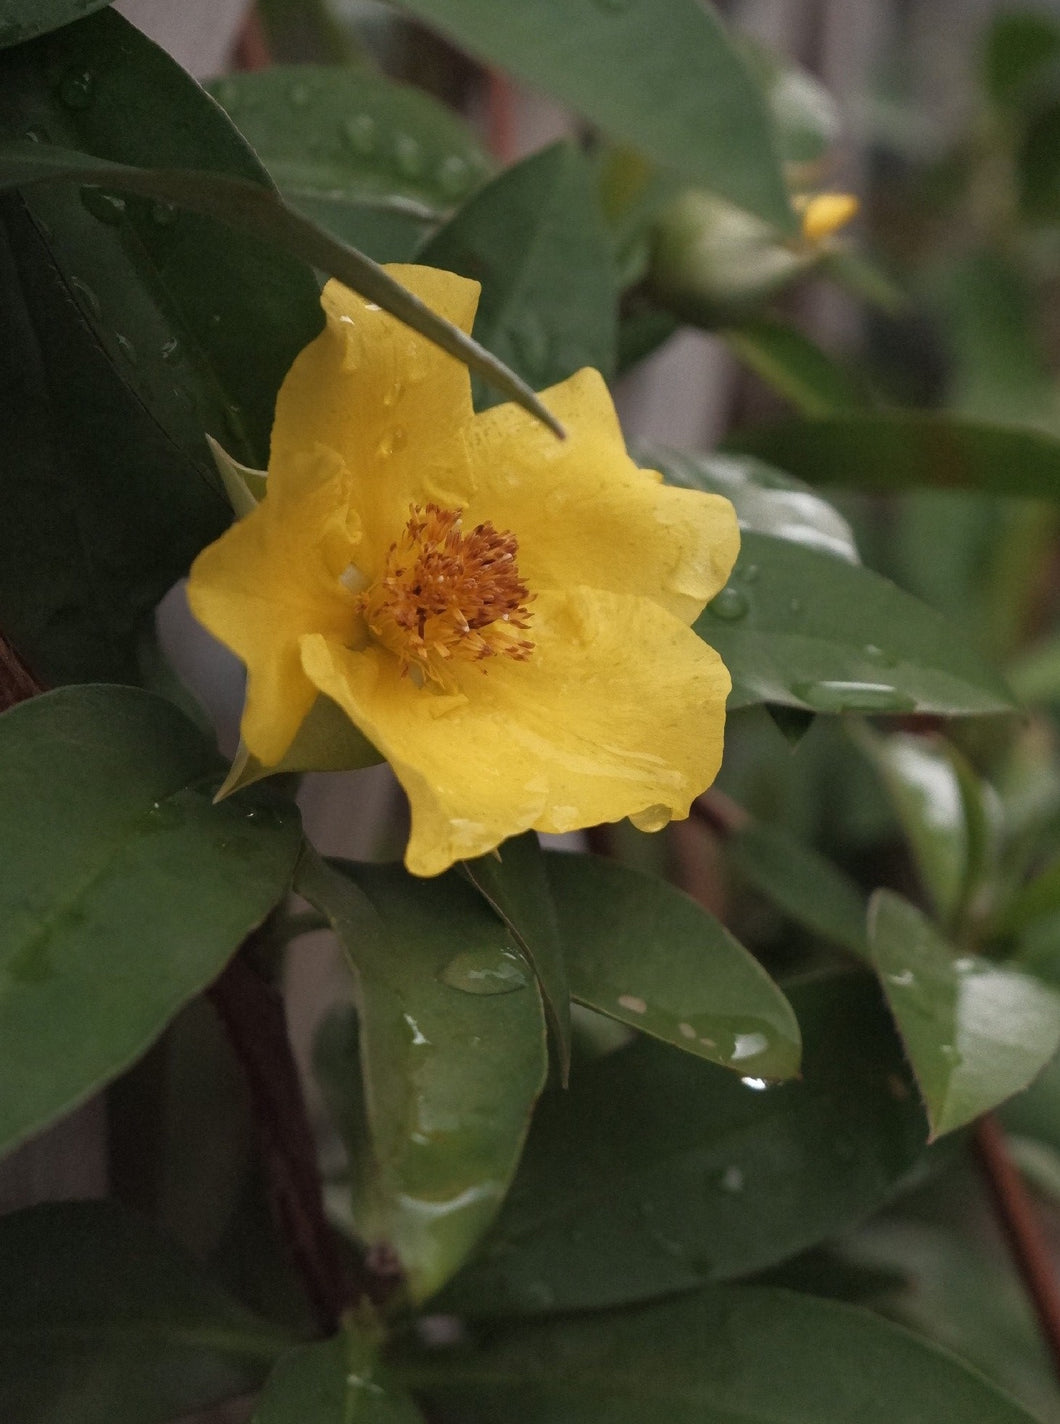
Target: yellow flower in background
x,y
504,615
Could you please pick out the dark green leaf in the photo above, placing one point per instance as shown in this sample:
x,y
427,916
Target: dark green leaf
x,y
902,450
256,211
335,1382
515,882
22,20
744,1354
452,1048
535,239
807,887
656,1172
1020,49
376,162
644,953
794,366
124,890
664,75
104,1322
766,500
939,803
975,1033
804,629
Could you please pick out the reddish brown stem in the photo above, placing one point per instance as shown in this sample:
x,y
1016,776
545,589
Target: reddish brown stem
x,y
721,813
254,1019
16,681
1017,1215
251,51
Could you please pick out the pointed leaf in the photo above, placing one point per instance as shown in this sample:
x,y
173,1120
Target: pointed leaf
x,y
754,1355
656,1172
452,1046
104,1321
975,1032
794,366
664,75
644,953
124,891
378,163
515,882
535,238
804,629
337,1381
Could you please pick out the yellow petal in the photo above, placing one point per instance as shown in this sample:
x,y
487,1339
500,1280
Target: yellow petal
x,y
583,512
271,578
387,399
824,214
618,711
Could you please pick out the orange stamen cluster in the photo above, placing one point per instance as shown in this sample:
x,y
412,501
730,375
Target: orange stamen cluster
x,y
448,596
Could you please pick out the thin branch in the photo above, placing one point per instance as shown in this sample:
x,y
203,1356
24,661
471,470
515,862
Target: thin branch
x,y
1017,1215
253,1015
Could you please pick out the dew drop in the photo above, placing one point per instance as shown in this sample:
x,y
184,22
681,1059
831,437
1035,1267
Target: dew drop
x,y
834,695
87,297
758,1084
732,1179
170,349
107,207
360,133
408,155
394,440
164,214
454,175
393,394
879,656
730,605
37,134
76,88
486,971
903,979
748,573
127,349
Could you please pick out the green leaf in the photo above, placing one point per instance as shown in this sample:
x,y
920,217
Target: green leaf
x,y
754,1355
940,805
656,1172
1019,51
452,1045
256,211
535,238
663,75
515,881
644,953
807,887
794,366
377,163
805,113
766,500
22,20
975,1032
102,1321
900,450
337,1381
124,890
804,629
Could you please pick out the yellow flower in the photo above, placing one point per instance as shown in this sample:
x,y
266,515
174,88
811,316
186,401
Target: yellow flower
x,y
504,615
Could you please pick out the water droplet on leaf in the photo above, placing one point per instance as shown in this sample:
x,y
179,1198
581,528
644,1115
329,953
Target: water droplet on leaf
x,y
836,695
486,971
107,207
730,605
360,133
87,297
408,155
127,349
164,214
76,88
454,175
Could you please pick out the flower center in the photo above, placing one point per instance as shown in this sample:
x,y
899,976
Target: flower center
x,y
448,596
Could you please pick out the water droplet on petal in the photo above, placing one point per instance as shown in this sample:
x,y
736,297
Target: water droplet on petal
x,y
486,971
76,88
395,439
730,605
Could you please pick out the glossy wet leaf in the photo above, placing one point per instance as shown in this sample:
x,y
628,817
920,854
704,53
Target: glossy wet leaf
x,y
642,952
452,1053
124,892
901,450
805,629
794,366
664,75
105,1321
975,1032
378,163
656,1172
336,1381
515,881
22,20
940,806
258,212
743,1353
766,500
535,238
809,888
